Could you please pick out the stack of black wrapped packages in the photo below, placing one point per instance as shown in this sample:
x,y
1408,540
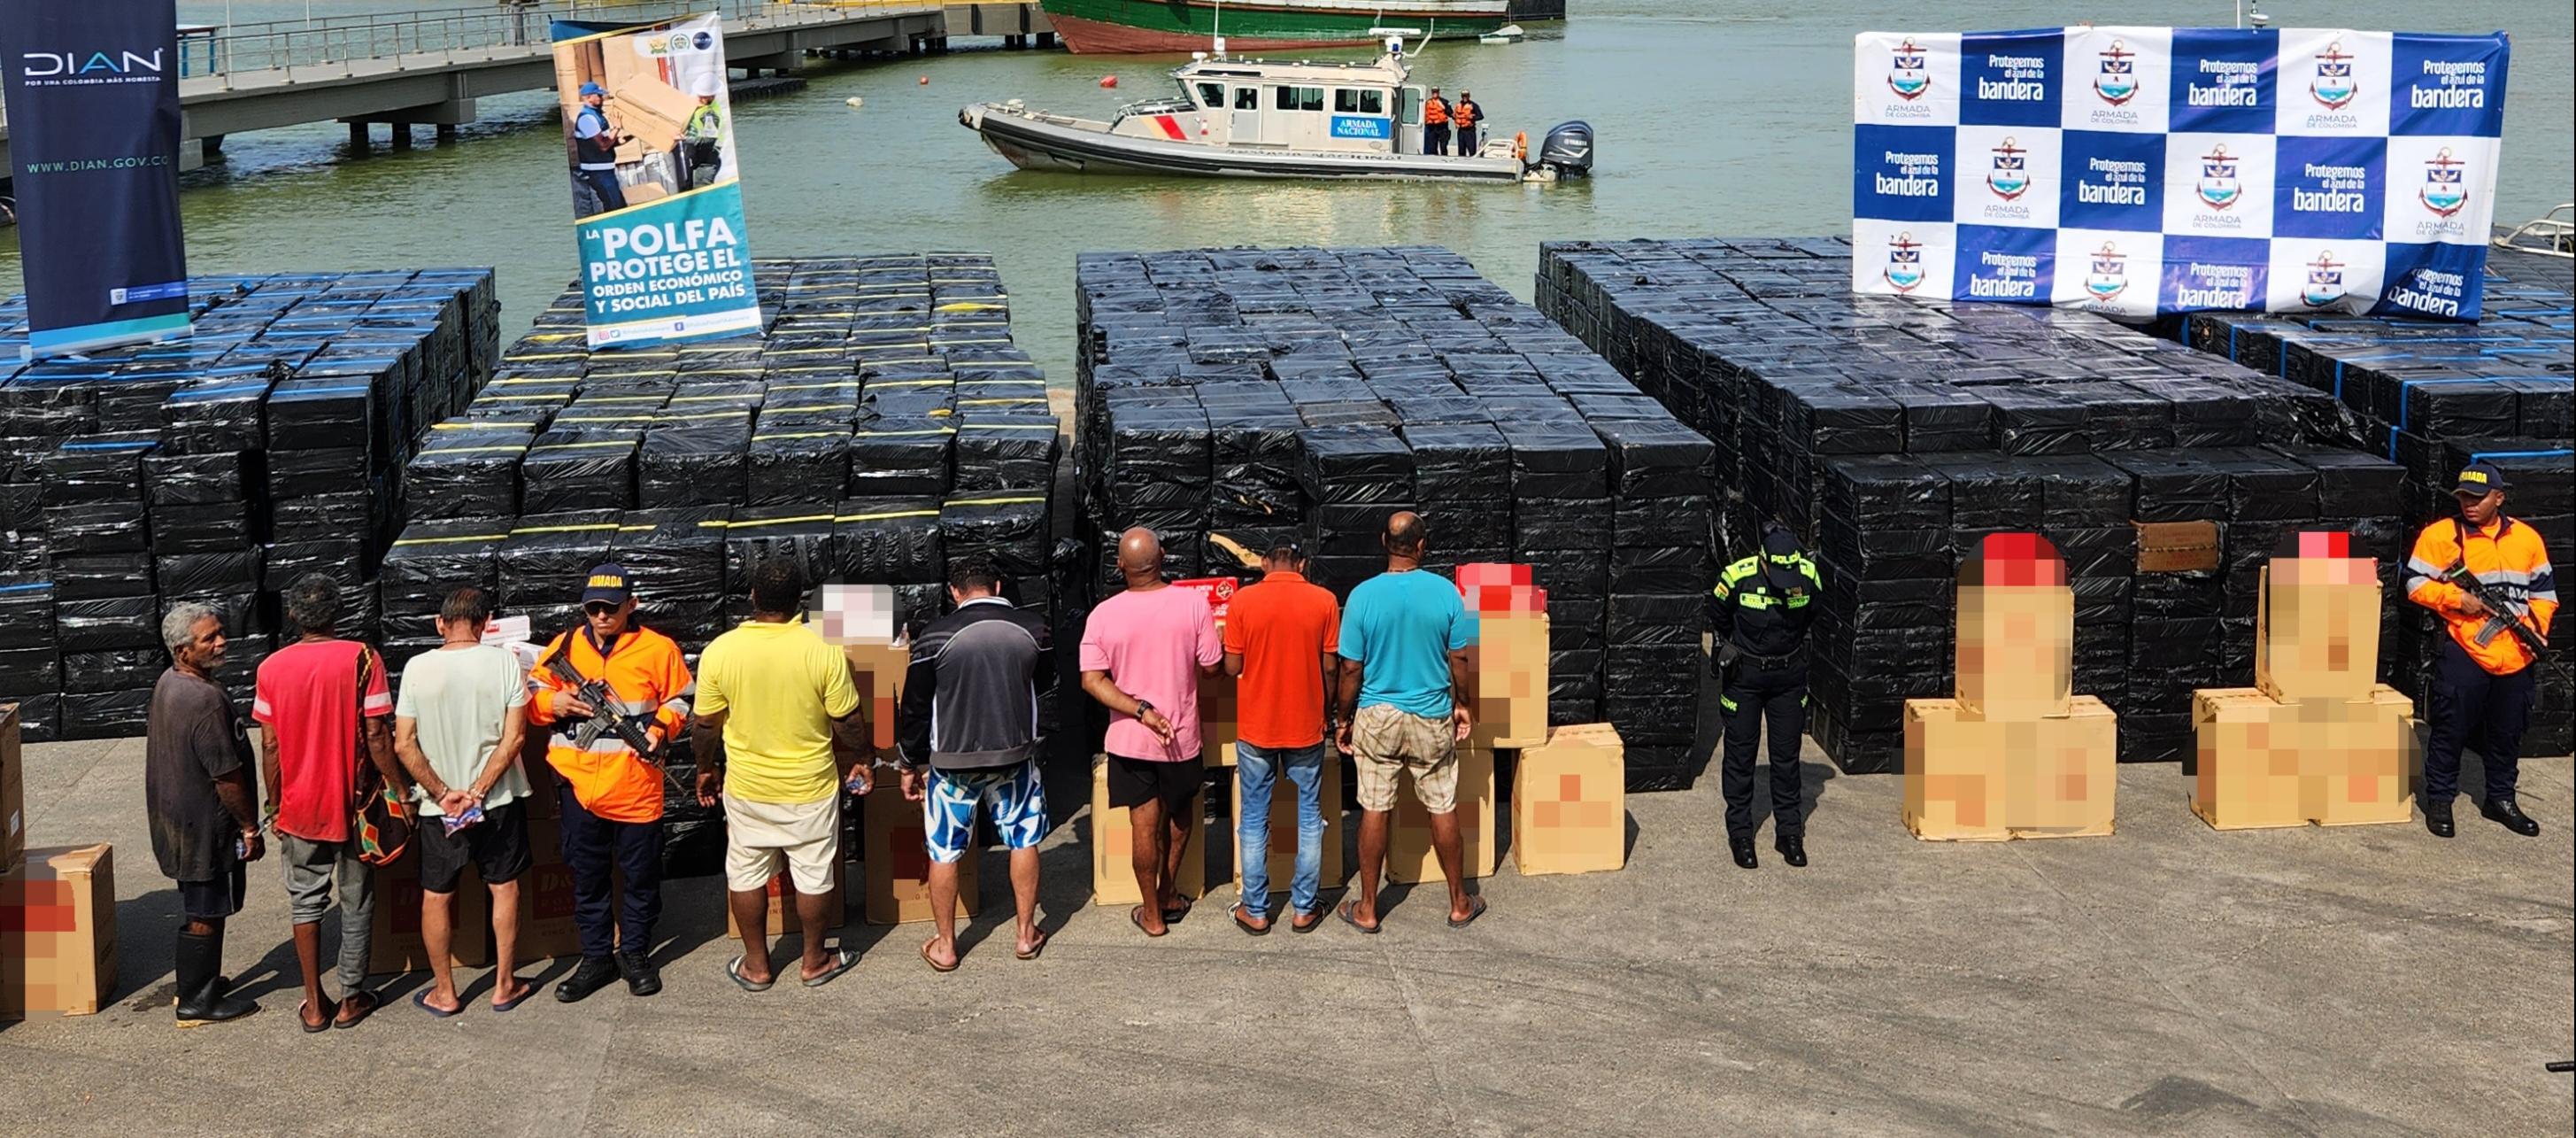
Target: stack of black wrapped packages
x,y
1233,399
217,467
2434,397
1891,435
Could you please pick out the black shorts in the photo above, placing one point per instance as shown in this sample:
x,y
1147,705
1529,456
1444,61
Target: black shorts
x,y
497,845
216,898
1135,782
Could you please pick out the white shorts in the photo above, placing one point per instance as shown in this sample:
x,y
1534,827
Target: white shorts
x,y
757,833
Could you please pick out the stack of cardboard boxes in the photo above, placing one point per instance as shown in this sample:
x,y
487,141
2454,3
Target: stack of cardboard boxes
x,y
57,908
2316,739
1113,847
2017,754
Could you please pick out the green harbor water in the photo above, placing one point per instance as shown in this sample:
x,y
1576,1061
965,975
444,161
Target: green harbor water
x,y
1712,117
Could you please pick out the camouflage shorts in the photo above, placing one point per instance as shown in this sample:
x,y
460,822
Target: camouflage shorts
x,y
1386,742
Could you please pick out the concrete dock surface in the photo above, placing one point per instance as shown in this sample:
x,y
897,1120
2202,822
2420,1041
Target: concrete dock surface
x,y
2167,980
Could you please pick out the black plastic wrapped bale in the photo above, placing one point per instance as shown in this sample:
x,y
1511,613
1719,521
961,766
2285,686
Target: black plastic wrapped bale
x,y
1459,464
889,541
27,613
694,463
217,415
467,468
1009,528
434,558
901,457
105,715
675,559
793,463
798,532
1656,458
565,471
1356,465
106,623
548,557
1557,460
203,574
320,414
996,453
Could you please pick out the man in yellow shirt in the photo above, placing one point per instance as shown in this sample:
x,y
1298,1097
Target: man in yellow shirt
x,y
772,689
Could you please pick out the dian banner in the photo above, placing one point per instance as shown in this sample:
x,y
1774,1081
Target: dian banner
x,y
2134,171
656,185
92,92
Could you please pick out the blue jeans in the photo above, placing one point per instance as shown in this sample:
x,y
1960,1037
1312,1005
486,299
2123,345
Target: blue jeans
x,y
1256,770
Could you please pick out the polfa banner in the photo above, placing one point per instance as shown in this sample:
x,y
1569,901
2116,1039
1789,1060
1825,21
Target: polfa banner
x,y
2134,171
93,97
656,187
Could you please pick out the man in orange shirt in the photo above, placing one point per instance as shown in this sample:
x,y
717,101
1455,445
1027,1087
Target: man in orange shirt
x,y
612,797
1280,639
2485,678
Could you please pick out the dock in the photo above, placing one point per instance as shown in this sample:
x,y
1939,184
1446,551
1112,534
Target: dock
x,y
429,67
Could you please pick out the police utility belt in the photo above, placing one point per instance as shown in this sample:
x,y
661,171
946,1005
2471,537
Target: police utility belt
x,y
1739,657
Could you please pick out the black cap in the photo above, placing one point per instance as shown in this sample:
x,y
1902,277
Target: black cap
x,y
2479,478
607,585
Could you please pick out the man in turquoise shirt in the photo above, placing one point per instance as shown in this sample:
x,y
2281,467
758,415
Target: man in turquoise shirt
x,y
1404,707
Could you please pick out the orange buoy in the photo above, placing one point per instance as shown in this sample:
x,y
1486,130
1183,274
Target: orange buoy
x,y
1108,80
925,81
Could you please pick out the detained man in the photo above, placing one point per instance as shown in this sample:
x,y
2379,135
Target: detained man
x,y
1143,651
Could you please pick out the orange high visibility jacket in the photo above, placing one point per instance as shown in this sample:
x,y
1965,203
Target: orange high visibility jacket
x,y
1435,112
2509,558
644,668
1466,113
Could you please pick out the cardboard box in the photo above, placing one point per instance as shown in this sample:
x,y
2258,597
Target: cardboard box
x,y
1282,855
1969,779
1507,672
1569,802
1219,726
13,793
1113,847
894,857
2268,763
2316,628
2015,651
1409,856
395,944
2177,547
782,910
58,932
546,926
545,787
878,671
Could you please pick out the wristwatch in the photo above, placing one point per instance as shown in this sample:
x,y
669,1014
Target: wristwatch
x,y
1143,706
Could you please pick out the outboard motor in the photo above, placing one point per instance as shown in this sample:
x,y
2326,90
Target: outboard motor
x,y
1568,149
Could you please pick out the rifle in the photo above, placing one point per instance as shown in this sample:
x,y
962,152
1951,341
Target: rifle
x,y
2502,615
605,719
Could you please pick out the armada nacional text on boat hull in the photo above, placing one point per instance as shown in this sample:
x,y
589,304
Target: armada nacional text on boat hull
x,y
1248,118
1116,26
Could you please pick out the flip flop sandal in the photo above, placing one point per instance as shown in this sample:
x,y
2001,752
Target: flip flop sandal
x,y
1304,923
843,960
1136,917
733,971
1475,909
1173,916
330,1011
1034,949
525,991
1249,929
934,965
420,999
372,1003
1343,911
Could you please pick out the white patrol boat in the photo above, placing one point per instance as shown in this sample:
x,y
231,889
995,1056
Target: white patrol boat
x,y
1250,118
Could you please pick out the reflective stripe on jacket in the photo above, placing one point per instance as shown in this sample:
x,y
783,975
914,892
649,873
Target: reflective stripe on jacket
x,y
1765,609
2509,558
646,672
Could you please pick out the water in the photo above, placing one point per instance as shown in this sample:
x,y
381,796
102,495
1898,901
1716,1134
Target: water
x,y
1713,118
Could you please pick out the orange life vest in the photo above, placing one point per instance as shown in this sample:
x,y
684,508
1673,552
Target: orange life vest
x,y
2509,558
1435,112
1465,115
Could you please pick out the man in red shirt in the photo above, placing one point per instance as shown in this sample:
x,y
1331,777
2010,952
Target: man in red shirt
x,y
1280,641
318,700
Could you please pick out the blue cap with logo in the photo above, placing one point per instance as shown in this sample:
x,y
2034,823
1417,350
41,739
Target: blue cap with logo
x,y
2478,479
590,89
607,585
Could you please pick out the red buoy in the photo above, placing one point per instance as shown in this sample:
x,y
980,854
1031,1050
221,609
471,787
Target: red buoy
x,y
1108,80
925,81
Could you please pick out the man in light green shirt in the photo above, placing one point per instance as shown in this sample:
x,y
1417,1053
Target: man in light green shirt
x,y
458,723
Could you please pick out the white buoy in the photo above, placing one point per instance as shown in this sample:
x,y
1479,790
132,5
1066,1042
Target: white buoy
x,y
854,101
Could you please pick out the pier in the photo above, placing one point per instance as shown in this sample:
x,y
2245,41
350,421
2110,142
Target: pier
x,y
427,68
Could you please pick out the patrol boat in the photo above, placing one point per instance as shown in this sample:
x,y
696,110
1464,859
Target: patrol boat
x,y
1251,118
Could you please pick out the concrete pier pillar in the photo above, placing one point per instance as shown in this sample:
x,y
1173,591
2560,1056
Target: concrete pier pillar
x,y
358,137
447,132
1046,39
402,135
214,144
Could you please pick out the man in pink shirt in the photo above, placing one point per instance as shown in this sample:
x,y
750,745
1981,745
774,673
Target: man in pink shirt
x,y
1143,652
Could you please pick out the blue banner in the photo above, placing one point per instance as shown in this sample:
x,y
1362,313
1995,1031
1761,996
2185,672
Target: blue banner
x,y
657,192
93,97
2138,170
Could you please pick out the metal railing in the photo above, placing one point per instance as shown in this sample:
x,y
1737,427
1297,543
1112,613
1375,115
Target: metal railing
x,y
273,45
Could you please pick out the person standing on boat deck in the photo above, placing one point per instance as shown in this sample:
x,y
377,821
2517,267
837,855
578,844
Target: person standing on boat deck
x,y
1435,124
595,148
1467,116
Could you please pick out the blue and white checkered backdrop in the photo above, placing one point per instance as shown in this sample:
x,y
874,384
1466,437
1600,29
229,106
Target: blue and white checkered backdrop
x,y
2138,170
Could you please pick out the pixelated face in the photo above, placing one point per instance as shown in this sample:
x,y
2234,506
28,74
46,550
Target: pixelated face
x,y
2321,616
858,614
2013,559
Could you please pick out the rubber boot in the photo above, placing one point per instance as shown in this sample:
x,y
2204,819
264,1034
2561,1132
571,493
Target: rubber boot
x,y
203,995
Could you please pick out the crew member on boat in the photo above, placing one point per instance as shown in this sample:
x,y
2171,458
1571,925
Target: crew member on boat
x,y
1468,116
1435,124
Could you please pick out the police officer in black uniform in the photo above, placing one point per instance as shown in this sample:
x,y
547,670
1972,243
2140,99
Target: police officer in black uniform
x,y
1760,611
